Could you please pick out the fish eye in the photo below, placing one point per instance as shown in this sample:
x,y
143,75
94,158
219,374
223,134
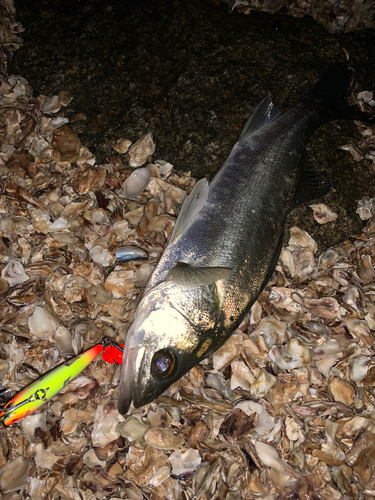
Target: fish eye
x,y
164,363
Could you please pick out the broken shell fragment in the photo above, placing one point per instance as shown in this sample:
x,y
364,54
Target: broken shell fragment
x,y
136,182
91,460
4,287
127,252
366,208
342,391
160,476
241,376
122,146
63,339
120,283
292,355
265,421
323,214
238,424
101,255
41,324
365,270
14,273
32,422
299,237
14,475
65,97
106,431
326,356
228,351
67,144
163,439
287,261
270,457
184,464
359,367
133,429
141,150
51,104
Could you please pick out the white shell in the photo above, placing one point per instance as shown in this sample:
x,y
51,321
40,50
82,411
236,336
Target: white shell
x,y
323,214
265,421
241,376
106,431
91,460
60,223
101,255
366,208
141,150
163,439
136,182
63,339
184,463
31,423
40,324
359,367
300,237
165,169
14,273
120,283
160,475
133,429
269,456
291,355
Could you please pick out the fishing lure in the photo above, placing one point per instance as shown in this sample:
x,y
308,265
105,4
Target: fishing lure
x,y
42,390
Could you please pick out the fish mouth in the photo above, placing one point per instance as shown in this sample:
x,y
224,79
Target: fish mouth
x,y
129,389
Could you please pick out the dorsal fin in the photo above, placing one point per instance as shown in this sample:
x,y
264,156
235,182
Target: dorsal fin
x,y
263,114
192,205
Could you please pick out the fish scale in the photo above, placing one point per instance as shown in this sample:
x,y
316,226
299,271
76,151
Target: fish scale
x,y
246,239
226,242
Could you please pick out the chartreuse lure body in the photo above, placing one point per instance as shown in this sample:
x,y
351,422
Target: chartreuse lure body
x,y
42,390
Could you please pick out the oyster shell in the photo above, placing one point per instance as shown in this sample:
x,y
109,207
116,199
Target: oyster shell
x,y
122,145
14,273
136,182
323,214
40,324
141,150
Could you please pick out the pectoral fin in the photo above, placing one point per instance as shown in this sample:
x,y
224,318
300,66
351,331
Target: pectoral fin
x,y
191,207
186,275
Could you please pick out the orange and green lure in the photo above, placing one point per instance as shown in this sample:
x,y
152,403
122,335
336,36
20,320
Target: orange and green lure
x,y
42,390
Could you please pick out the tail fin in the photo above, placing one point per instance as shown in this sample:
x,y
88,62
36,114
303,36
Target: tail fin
x,y
330,92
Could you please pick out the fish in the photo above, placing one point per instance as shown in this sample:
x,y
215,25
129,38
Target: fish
x,y
227,240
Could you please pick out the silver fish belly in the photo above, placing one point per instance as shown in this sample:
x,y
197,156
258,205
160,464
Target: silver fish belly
x,y
224,248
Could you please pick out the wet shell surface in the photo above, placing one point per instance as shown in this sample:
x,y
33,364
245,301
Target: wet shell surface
x,y
128,252
136,182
